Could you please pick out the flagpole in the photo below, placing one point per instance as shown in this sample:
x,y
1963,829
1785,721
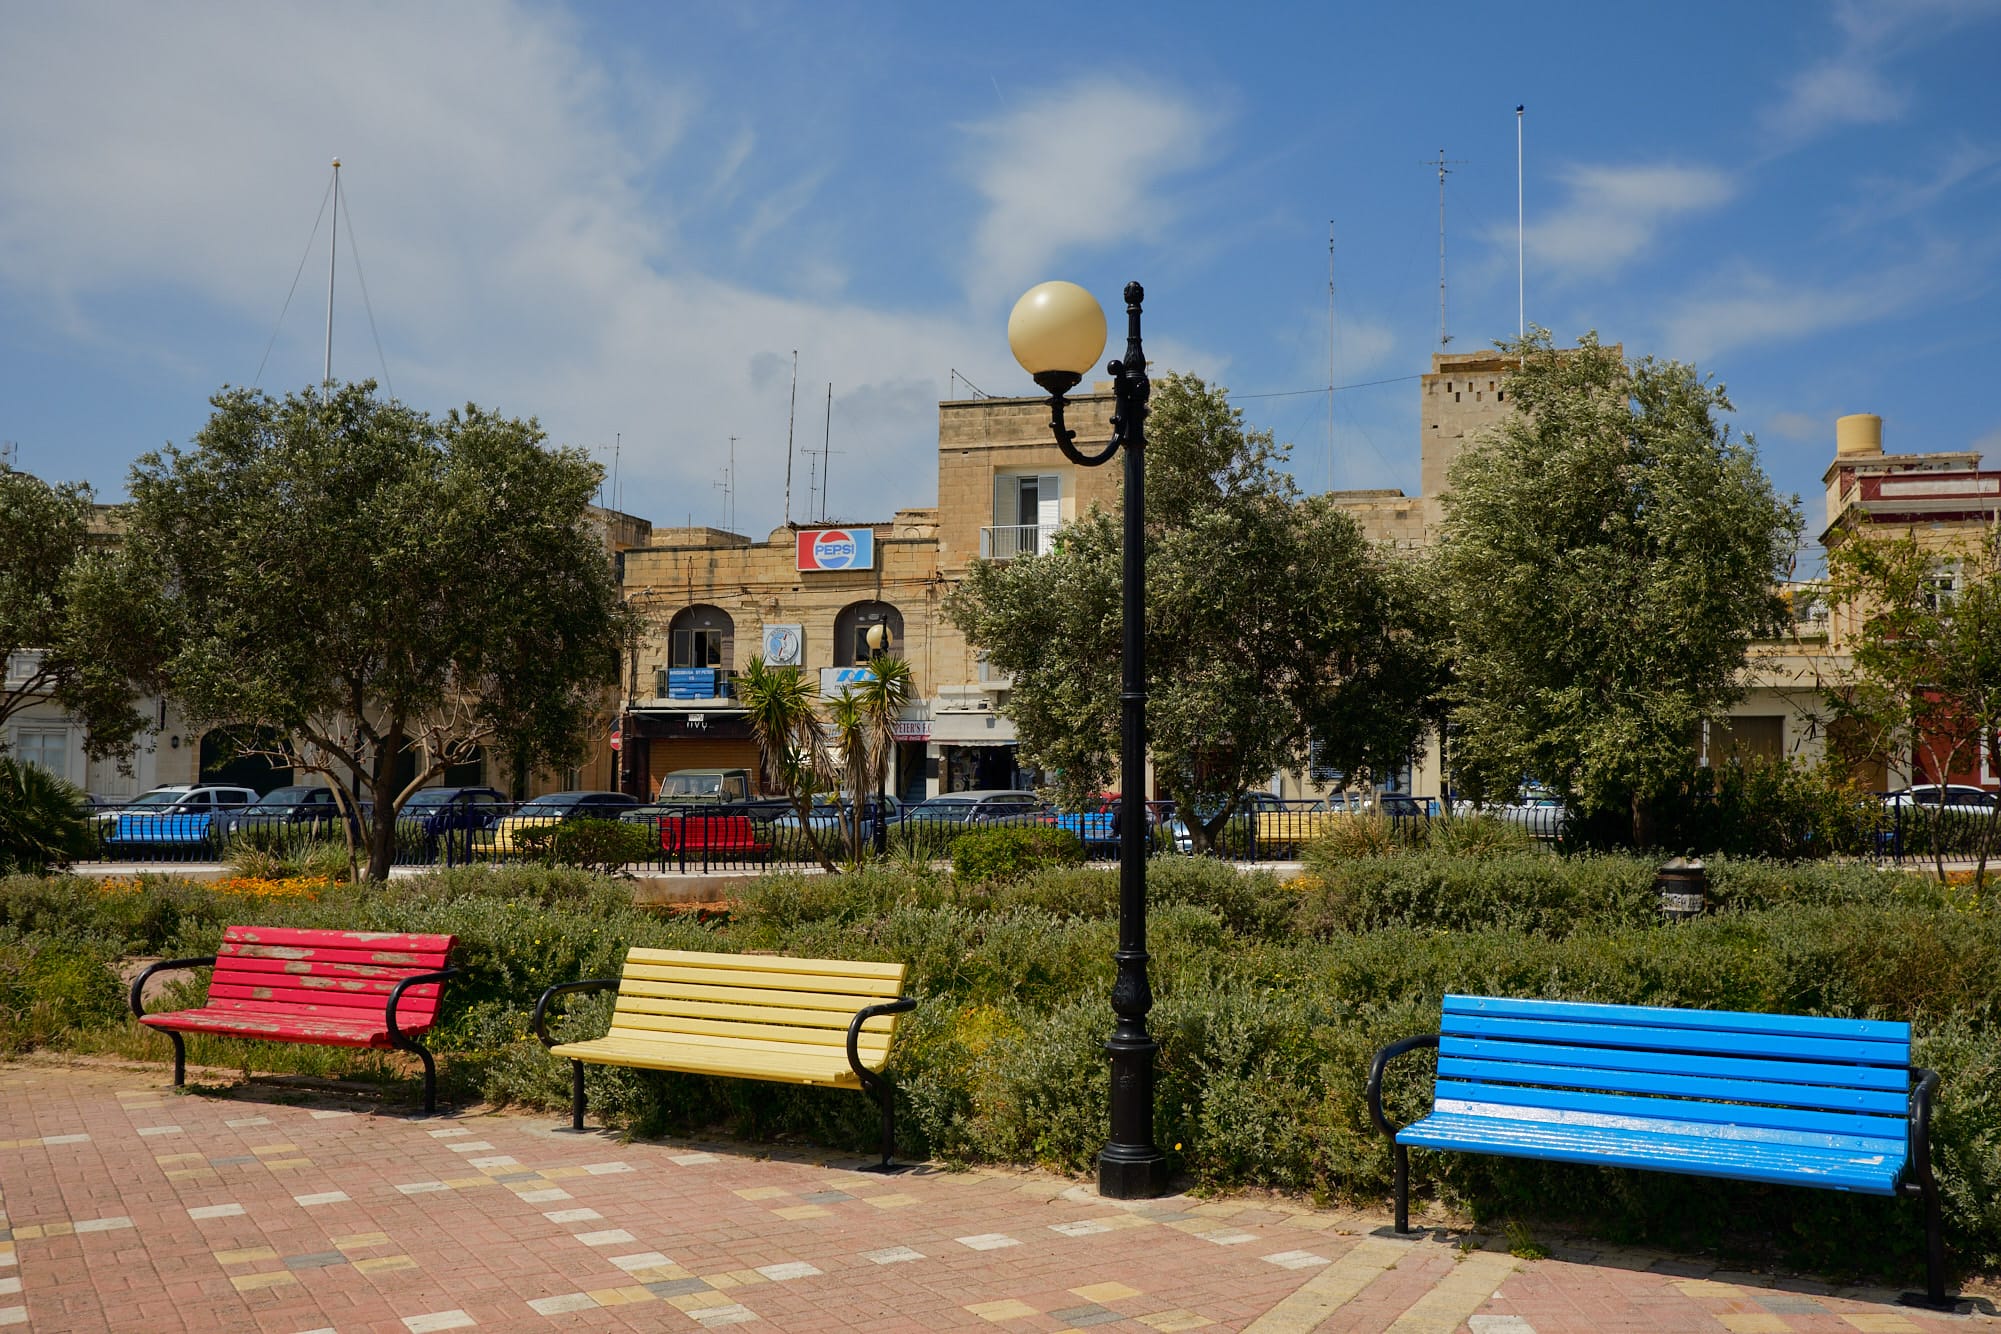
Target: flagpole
x,y
1521,249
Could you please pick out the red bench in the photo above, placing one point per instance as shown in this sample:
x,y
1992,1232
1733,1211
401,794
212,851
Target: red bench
x,y
711,835
334,988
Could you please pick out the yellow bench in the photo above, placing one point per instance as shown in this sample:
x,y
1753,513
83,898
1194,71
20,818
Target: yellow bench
x,y
751,1016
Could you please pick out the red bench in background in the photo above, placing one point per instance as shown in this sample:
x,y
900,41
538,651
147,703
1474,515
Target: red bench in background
x,y
705,836
333,988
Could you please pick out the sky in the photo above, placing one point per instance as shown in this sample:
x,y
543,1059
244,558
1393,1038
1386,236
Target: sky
x,y
624,219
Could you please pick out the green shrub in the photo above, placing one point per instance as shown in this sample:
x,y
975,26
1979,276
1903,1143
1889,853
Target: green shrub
x,y
1270,1002
606,847
44,821
51,988
1477,836
1361,835
1011,852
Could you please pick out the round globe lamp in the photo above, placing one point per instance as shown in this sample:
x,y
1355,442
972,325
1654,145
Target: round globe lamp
x,y
1057,331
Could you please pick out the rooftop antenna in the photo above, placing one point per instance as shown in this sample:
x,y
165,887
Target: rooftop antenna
x,y
617,440
790,414
1330,354
1444,167
827,452
9,451
333,249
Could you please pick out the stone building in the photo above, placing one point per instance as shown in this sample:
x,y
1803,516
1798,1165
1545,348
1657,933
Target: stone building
x,y
807,596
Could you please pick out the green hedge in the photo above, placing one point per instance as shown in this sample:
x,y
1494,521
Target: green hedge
x,y
1271,998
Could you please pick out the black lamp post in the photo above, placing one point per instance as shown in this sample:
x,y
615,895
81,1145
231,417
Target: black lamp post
x,y
878,644
1057,331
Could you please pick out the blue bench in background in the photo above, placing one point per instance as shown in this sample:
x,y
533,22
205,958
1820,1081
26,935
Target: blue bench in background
x,y
1787,1099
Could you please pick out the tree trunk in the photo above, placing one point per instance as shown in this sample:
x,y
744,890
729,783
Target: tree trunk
x,y
382,822
1643,823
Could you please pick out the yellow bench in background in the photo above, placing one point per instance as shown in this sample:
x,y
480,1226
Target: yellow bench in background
x,y
751,1016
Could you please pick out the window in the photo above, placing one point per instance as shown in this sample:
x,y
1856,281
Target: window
x,y
44,747
1027,510
1943,586
851,627
701,636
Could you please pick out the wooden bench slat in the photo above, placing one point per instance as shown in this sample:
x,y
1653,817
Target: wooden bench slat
x,y
246,964
1783,1045
764,1046
726,1061
413,961
409,1014
1823,1074
1739,1021
695,993
1751,1118
1814,1096
379,1017
273,1024
391,943
640,1026
792,1016
769,963
863,991
1861,1172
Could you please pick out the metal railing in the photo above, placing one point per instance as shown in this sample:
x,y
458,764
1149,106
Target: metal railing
x,y
1007,541
699,837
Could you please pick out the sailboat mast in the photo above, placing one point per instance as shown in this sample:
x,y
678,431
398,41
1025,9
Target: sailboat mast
x,y
333,248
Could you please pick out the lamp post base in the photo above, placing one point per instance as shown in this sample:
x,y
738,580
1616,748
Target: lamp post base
x,y
1139,1173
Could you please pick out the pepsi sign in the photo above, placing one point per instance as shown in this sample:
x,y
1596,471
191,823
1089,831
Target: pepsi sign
x,y
837,549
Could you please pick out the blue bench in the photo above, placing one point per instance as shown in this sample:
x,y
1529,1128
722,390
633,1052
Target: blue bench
x,y
1776,1098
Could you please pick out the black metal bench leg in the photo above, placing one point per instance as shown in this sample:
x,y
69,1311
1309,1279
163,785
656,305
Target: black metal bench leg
x,y
430,1079
884,1094
1403,1188
180,1059
1934,1249
576,1095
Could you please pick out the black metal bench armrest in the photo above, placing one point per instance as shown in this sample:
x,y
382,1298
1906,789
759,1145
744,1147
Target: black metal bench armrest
x,y
901,1005
164,966
561,989
1383,1058
1921,1126
396,1035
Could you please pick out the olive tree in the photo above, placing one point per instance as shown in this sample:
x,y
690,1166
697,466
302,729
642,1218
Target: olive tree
x,y
377,589
1272,624
1610,551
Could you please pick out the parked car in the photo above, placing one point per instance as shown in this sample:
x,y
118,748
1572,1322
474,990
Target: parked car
x,y
440,810
983,806
555,808
1249,804
827,812
684,786
1952,799
303,810
1536,810
176,814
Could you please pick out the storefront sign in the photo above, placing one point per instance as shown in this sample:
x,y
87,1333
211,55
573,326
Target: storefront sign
x,y
833,680
837,549
914,730
784,645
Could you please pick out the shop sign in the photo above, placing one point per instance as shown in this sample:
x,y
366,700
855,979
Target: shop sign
x,y
833,680
914,730
784,645
837,549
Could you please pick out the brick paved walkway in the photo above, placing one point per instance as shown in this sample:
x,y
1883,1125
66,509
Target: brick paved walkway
x,y
128,1206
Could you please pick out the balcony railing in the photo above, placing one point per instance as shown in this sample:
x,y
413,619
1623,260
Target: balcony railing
x,y
1006,541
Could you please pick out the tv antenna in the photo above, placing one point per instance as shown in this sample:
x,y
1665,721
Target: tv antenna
x,y
728,487
9,451
1444,167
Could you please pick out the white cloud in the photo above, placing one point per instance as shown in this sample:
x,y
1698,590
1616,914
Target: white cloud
x,y
1752,307
1796,425
1078,168
1849,87
1959,164
508,194
1612,214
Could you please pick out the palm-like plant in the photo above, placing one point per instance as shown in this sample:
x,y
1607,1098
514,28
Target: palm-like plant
x,y
881,699
791,751
849,723
42,820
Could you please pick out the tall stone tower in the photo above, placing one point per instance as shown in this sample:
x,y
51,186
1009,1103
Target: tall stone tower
x,y
1461,398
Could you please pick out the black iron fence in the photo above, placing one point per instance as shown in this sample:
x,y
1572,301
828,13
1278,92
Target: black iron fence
x,y
703,837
